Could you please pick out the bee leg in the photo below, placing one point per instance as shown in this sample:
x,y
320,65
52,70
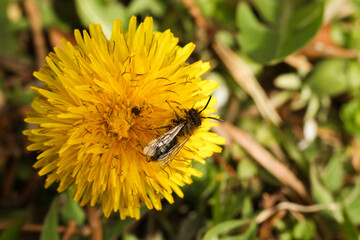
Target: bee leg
x,y
128,139
147,158
176,115
146,174
162,127
139,151
138,143
168,175
193,151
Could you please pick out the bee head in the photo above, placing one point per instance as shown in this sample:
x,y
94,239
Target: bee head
x,y
195,117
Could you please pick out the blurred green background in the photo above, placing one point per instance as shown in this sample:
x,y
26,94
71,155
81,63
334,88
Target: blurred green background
x,y
289,78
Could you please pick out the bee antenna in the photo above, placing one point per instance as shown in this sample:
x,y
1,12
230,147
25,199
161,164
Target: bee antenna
x,y
206,104
217,119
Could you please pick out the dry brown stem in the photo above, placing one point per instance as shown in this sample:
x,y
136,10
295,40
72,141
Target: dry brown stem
x,y
33,13
37,228
266,160
70,230
355,159
289,206
94,222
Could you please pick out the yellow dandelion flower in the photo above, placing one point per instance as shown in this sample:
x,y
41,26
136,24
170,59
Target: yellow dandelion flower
x,y
103,102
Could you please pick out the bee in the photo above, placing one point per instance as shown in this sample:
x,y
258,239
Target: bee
x,y
164,148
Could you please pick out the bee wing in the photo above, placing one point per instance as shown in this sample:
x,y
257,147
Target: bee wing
x,y
150,148
166,158
165,139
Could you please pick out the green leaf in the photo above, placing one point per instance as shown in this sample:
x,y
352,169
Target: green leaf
x,y
329,77
225,38
224,227
13,232
352,201
287,141
8,41
304,230
51,222
353,34
321,194
282,28
333,174
216,206
247,209
220,11
353,77
249,234
156,7
350,115
190,226
129,236
49,16
102,12
113,230
285,236
72,211
246,169
18,96
288,81
348,227
312,108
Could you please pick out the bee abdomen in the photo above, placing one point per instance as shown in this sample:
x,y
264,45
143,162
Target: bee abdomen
x,y
163,150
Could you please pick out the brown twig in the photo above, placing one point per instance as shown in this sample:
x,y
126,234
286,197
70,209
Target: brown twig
x,y
299,62
339,9
21,68
222,162
265,230
55,36
355,159
195,12
329,135
70,230
36,228
29,192
233,109
289,206
10,178
323,45
276,100
95,223
265,159
33,13
320,49
246,79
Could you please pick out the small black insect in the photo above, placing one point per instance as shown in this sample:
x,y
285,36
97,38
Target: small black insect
x,y
136,111
163,149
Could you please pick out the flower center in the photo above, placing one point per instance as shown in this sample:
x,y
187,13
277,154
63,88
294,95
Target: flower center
x,y
119,121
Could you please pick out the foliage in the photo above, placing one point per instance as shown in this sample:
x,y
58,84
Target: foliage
x,y
283,28
315,91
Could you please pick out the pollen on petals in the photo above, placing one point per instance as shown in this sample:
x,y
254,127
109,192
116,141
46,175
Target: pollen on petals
x,y
103,101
